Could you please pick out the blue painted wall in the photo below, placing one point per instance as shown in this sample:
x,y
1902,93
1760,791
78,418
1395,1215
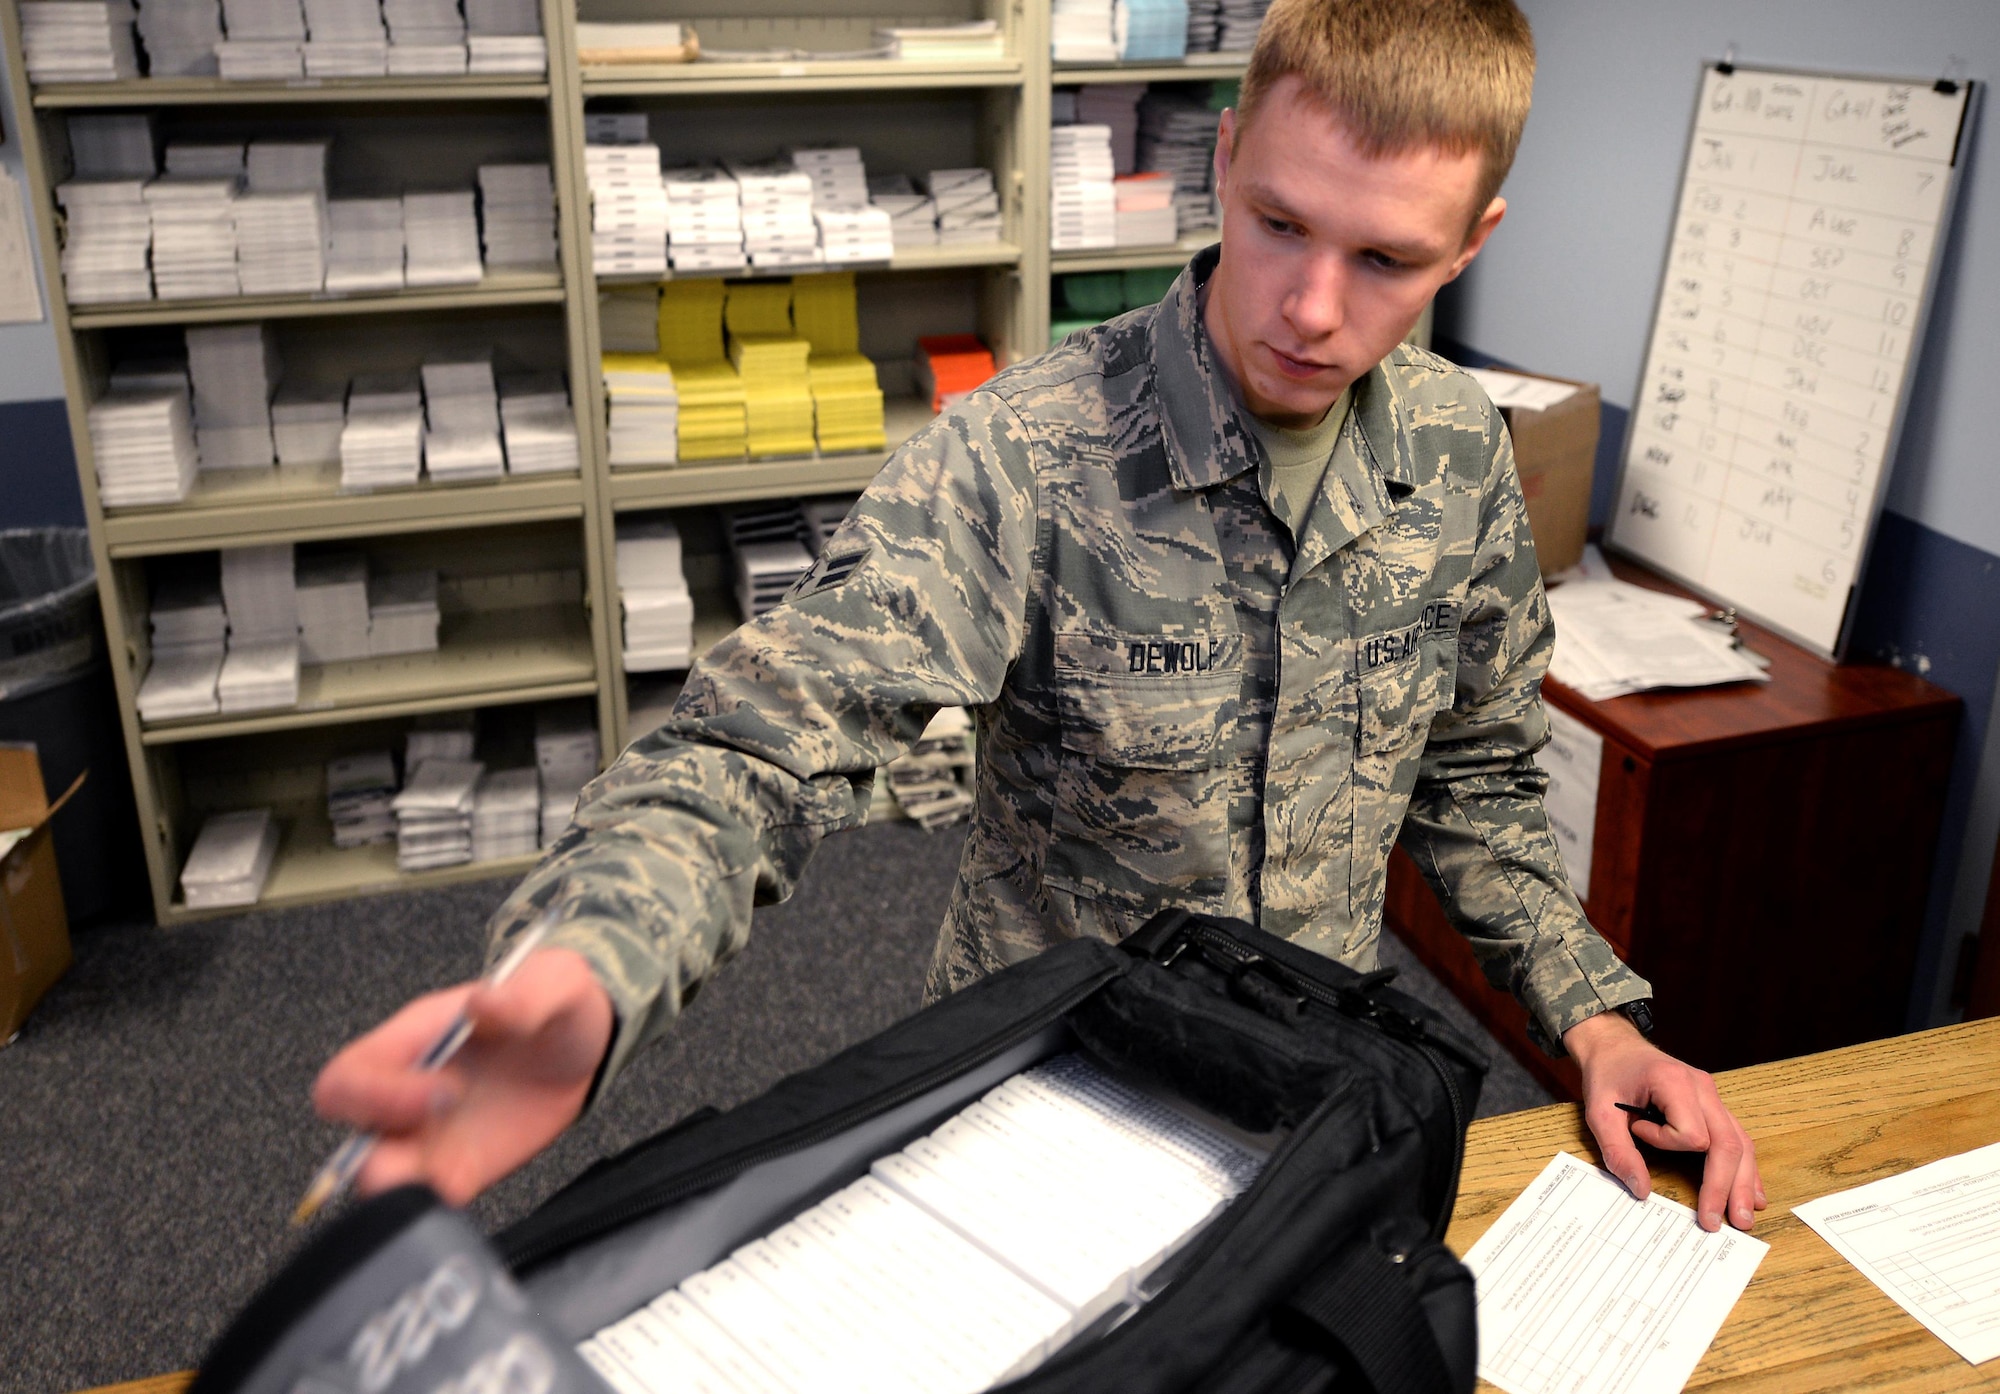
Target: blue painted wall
x,y
1567,284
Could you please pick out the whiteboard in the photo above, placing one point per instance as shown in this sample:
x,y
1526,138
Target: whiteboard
x,y
1790,311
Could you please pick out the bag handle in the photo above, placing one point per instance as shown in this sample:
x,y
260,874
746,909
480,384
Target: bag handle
x,y
1360,1303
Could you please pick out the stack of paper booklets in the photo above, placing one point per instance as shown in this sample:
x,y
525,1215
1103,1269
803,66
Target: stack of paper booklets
x,y
777,393
968,206
566,756
1152,31
643,408
1116,105
78,40
224,159
960,1262
949,366
382,442
434,812
506,814
180,37
823,312
234,368
1204,18
190,632
266,40
360,798
364,244
505,37
1083,206
259,590
110,232
462,412
839,179
820,518
777,200
847,403
1237,25
346,39
912,216
768,556
503,18
628,209
305,425
142,444
230,860
1177,138
929,782
333,607
113,145
713,425
628,318
441,239
426,38
704,220
659,612
1613,638
632,41
1145,210
975,41
403,613
1080,31
280,242
517,213
538,424
194,237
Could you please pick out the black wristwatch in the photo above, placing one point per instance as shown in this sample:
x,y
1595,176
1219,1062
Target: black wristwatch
x,y
1640,1014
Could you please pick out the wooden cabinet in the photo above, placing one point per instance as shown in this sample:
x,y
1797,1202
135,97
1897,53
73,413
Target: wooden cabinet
x,y
1761,855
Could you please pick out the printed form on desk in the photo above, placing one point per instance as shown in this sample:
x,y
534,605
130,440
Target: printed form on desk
x,y
1581,1287
1930,1238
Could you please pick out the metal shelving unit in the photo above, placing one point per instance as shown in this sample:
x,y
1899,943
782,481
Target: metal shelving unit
x,y
1133,258
501,651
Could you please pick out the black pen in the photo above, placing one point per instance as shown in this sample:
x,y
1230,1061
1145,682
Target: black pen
x,y
1650,1113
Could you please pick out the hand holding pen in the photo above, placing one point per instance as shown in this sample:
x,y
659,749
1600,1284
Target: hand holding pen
x,y
461,1087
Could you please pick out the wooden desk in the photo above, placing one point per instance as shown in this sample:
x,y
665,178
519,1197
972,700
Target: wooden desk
x,y
1762,856
1822,1123
1809,1320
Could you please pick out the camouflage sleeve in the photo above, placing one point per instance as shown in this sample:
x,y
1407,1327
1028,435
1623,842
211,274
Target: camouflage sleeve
x,y
1476,827
916,603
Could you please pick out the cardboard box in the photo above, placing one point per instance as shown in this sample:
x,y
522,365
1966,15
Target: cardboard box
x,y
1556,453
34,930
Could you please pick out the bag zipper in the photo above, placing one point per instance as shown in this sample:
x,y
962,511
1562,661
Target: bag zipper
x,y
1356,1003
727,1168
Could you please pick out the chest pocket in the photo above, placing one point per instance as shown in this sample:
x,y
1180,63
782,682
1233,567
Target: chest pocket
x,y
1403,690
1141,795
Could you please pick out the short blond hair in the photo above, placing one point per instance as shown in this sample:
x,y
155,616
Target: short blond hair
x,y
1403,74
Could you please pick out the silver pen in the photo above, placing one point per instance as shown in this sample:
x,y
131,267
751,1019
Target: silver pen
x,y
337,1174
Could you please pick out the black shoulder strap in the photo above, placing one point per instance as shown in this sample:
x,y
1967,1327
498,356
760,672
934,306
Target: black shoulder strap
x,y
1363,1307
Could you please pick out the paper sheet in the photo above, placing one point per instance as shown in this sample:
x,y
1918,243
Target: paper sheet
x,y
1518,390
1583,1287
1930,1238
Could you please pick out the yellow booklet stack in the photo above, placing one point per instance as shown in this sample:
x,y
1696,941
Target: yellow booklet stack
x,y
777,392
847,403
823,309
713,421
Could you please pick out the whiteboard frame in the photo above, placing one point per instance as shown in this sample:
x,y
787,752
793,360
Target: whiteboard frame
x,y
1919,333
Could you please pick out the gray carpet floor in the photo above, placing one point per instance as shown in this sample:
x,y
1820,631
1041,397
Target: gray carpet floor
x,y
154,1125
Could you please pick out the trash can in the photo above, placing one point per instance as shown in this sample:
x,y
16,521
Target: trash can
x,y
56,691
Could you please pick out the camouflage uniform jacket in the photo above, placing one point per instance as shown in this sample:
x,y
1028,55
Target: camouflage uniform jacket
x,y
1175,704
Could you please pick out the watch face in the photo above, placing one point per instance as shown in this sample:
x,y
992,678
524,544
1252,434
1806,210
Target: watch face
x,y
1641,1013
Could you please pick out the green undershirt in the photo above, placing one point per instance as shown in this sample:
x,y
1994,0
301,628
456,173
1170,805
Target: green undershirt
x,y
1298,461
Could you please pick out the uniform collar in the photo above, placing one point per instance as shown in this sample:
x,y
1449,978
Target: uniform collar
x,y
1206,440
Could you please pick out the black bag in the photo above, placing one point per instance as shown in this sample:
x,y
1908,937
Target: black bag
x,y
1329,1272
